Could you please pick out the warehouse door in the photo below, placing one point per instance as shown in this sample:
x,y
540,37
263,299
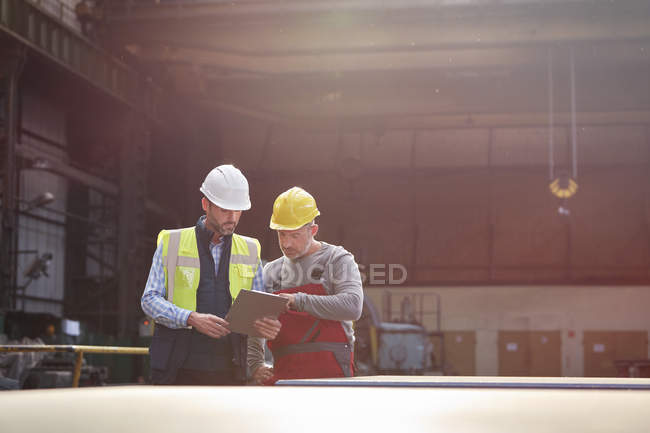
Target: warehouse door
x,y
530,353
602,348
460,352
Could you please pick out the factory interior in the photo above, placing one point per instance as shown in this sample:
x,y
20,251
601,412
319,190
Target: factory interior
x,y
486,162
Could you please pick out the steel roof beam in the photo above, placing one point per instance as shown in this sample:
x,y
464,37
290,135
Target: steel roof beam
x,y
52,39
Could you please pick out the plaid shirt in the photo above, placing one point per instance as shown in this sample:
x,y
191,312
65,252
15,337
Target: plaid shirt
x,y
155,305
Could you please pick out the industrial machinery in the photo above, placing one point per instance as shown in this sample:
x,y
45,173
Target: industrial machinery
x,y
391,347
56,371
32,370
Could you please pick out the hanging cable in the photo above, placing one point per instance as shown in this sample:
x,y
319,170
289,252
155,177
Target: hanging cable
x,y
551,134
574,139
562,185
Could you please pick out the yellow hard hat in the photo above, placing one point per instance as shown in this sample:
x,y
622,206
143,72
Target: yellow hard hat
x,y
293,209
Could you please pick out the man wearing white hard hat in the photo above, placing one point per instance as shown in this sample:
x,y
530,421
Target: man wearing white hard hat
x,y
196,274
323,286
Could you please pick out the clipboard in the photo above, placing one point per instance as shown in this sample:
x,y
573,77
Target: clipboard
x,y
250,306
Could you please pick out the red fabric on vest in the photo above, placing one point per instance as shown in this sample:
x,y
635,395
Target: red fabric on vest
x,y
295,325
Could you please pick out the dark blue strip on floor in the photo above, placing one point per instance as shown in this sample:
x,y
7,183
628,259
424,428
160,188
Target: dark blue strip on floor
x,y
507,385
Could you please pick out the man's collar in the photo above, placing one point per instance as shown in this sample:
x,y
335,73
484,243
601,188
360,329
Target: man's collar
x,y
203,230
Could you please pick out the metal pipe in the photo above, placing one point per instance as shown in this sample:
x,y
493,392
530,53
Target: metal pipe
x,y
435,122
179,9
78,350
75,348
9,198
243,8
38,299
77,369
54,165
8,240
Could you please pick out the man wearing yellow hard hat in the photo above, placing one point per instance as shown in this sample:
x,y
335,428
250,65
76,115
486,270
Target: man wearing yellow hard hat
x,y
323,287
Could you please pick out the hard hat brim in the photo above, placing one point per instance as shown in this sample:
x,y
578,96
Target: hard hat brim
x,y
276,226
223,204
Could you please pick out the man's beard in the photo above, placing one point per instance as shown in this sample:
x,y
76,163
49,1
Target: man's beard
x,y
223,229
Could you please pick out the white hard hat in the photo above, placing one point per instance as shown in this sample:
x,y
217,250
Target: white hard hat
x,y
227,187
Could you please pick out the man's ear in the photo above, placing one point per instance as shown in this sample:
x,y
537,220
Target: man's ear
x,y
314,229
205,204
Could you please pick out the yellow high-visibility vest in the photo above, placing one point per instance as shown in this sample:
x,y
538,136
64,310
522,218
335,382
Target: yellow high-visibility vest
x,y
180,252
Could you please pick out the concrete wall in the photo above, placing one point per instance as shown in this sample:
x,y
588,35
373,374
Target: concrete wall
x,y
571,310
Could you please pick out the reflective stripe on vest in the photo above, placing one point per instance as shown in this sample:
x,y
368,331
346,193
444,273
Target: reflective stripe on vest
x,y
244,260
181,257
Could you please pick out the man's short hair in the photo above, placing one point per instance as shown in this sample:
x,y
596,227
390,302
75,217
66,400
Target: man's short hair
x,y
310,224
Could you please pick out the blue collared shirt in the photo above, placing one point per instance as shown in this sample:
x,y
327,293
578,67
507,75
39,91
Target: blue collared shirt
x,y
155,305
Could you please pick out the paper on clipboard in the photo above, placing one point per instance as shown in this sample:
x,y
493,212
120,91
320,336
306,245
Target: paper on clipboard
x,y
250,306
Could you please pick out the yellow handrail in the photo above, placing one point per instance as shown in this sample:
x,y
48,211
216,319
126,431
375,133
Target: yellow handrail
x,y
79,350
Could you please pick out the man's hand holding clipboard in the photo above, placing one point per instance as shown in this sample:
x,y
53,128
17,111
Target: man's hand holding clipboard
x,y
255,314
